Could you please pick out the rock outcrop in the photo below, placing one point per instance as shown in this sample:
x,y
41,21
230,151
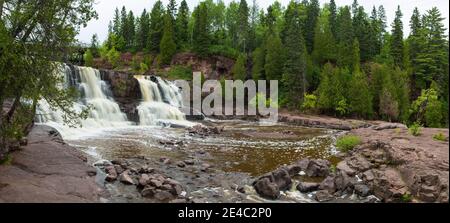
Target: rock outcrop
x,y
48,170
126,91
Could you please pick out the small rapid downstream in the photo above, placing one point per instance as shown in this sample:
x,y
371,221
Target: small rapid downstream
x,y
242,151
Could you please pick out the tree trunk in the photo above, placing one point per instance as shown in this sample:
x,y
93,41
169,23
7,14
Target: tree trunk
x,y
13,108
1,7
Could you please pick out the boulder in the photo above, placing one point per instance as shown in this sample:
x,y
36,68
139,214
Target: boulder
x,y
144,179
343,167
282,179
306,187
163,196
328,185
126,179
323,195
267,189
318,168
148,192
156,183
111,173
362,190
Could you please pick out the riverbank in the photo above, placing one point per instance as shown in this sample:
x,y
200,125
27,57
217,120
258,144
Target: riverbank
x,y
47,170
390,164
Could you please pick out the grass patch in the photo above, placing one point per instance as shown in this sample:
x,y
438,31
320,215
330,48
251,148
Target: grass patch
x,y
407,198
347,143
439,137
415,129
7,160
180,73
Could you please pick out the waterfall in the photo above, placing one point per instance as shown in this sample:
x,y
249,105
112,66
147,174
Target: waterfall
x,y
161,103
104,112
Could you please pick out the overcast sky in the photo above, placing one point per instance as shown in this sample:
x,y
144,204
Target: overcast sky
x,y
105,10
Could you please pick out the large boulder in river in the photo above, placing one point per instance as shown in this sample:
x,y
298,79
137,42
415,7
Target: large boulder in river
x,y
306,187
318,168
270,185
267,189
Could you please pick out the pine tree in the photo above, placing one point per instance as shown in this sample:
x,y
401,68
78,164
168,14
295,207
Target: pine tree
x,y
243,32
274,58
397,39
172,10
360,99
156,27
313,10
167,47
258,58
332,20
361,28
182,25
239,69
432,63
201,35
324,42
356,66
130,36
294,72
123,23
345,38
142,34
116,23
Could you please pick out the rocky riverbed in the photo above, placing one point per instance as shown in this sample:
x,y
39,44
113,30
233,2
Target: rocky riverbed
x,y
230,161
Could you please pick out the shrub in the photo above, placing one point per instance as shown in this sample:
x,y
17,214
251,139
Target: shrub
x,y
439,137
309,103
406,198
88,58
225,51
143,68
114,57
180,73
347,143
7,160
415,129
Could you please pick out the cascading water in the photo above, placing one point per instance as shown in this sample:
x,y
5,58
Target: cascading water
x,y
161,103
104,112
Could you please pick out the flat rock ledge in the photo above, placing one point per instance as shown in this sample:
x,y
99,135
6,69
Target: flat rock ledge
x,y
48,171
375,171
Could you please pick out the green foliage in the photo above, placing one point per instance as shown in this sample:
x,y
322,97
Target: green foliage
x,y
309,103
7,160
407,198
260,97
415,129
347,143
32,36
360,99
396,50
168,47
428,108
201,35
181,73
258,59
274,58
143,68
440,137
114,57
239,69
342,107
294,71
222,50
88,58
156,27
